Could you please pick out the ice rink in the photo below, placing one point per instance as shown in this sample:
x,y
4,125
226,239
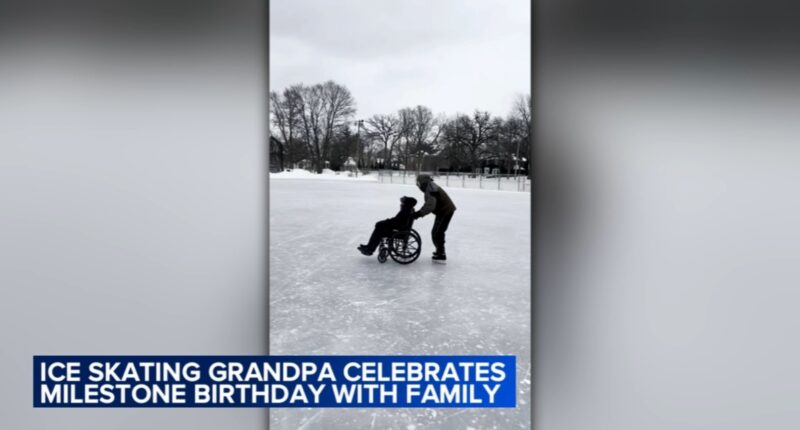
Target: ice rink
x,y
327,298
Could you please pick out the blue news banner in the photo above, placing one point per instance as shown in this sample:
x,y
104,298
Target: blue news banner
x,y
467,381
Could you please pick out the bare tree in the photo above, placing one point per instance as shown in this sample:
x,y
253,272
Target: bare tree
x,y
372,149
309,102
314,122
522,108
277,121
419,131
521,113
323,109
385,129
509,134
405,122
452,138
285,123
338,107
469,138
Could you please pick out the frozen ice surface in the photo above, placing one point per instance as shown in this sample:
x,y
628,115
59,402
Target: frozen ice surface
x,y
327,298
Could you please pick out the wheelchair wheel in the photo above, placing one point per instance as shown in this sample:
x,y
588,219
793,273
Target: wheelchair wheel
x,y
382,255
405,246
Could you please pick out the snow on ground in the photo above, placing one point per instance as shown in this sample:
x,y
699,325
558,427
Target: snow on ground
x,y
326,174
327,298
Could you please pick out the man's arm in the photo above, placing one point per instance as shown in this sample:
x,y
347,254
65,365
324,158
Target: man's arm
x,y
430,204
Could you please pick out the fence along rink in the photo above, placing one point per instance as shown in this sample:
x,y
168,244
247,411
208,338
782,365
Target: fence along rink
x,y
508,182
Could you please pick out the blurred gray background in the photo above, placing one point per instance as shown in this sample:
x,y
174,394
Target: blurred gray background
x,y
666,215
132,193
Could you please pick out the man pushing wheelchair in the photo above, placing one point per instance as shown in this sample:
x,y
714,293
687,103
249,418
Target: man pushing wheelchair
x,y
436,201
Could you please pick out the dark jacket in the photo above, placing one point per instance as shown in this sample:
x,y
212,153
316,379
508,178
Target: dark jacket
x,y
404,219
436,199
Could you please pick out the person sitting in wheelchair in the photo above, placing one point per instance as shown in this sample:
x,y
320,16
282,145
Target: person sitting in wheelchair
x,y
404,220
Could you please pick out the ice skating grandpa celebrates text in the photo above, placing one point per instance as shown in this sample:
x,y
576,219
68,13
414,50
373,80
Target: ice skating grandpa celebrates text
x,y
439,203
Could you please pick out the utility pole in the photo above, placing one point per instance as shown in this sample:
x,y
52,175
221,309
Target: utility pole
x,y
359,161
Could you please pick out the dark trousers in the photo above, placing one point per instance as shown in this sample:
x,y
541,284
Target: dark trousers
x,y
382,229
440,225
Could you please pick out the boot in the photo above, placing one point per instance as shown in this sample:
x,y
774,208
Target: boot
x,y
364,250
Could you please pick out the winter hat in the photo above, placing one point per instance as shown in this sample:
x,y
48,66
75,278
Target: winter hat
x,y
408,201
422,180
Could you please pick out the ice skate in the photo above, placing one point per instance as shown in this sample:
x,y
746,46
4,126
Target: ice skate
x,y
439,258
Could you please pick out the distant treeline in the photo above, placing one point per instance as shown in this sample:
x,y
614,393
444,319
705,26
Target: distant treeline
x,y
316,127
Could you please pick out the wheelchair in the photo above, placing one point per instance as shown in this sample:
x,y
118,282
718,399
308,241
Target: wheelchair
x,y
403,246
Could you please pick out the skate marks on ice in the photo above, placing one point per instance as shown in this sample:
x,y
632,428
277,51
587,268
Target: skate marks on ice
x,y
400,419
327,298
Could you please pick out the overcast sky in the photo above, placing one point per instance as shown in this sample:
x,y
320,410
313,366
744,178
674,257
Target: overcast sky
x,y
450,55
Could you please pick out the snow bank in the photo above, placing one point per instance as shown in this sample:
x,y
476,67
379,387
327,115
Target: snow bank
x,y
327,174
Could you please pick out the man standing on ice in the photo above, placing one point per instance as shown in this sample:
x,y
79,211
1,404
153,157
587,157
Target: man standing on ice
x,y
438,202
